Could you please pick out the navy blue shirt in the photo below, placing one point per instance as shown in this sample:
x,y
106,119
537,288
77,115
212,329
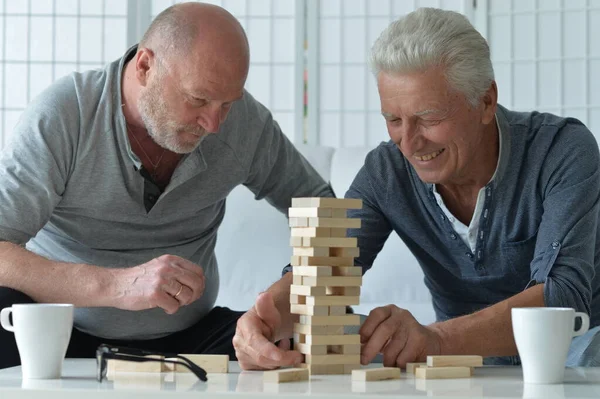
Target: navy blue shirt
x,y
539,223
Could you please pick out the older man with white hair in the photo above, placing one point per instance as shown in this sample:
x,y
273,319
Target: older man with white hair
x,y
499,207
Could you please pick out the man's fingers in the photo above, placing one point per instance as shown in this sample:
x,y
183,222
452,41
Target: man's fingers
x,y
393,349
377,340
375,318
267,311
266,354
167,302
187,265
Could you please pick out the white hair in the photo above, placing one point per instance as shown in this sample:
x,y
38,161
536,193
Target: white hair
x,y
430,37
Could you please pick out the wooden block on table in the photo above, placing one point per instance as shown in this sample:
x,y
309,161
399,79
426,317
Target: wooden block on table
x,y
311,232
286,375
326,202
343,291
378,374
307,291
308,329
343,222
309,213
310,349
431,373
298,222
346,320
344,252
324,369
336,242
332,300
410,367
312,271
321,261
114,365
346,270
306,251
333,359
310,310
342,339
337,281
210,363
454,361
344,349
336,310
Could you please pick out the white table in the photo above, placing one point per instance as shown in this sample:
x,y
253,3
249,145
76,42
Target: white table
x,y
79,382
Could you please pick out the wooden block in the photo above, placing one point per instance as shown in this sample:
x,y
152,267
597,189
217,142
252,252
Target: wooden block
x,y
378,374
344,252
318,202
310,310
334,222
346,271
454,361
343,339
337,281
410,367
299,300
296,242
308,291
349,368
310,349
333,359
296,280
336,310
312,271
302,251
114,365
321,261
314,331
344,349
343,291
346,320
324,369
339,213
431,373
311,232
210,363
298,222
336,232
332,300
346,242
309,212
286,375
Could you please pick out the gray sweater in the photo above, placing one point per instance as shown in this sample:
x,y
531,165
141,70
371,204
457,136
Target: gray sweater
x,y
71,190
539,222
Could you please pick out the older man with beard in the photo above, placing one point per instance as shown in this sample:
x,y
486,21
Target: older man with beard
x,y
114,186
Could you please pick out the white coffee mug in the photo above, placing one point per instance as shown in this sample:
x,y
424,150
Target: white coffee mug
x,y
543,337
42,332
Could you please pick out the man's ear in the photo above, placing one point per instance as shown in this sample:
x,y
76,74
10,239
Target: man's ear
x,y
144,62
490,102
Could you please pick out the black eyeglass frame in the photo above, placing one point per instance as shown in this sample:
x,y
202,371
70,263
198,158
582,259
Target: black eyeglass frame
x,y
105,351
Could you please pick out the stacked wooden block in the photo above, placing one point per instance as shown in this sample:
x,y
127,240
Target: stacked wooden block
x,y
441,367
325,282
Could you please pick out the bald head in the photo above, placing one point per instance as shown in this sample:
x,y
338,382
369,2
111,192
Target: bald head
x,y
195,32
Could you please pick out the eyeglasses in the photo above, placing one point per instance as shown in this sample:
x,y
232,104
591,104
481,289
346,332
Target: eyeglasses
x,y
105,352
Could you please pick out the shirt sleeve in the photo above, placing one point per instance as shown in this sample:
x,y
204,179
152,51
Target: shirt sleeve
x,y
375,227
277,170
566,246
34,166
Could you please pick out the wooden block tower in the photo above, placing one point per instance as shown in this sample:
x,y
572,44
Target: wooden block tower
x,y
325,282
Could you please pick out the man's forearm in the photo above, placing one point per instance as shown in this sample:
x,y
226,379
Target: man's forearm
x,y
48,281
281,295
489,331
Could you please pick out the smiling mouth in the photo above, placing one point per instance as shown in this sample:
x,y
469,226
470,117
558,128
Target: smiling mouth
x,y
430,156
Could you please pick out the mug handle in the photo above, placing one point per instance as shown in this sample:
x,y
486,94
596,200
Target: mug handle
x,y
585,323
4,321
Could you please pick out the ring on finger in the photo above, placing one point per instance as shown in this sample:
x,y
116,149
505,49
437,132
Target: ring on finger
x,y
178,292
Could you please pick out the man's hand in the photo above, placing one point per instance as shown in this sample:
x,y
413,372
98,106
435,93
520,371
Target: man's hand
x,y
397,334
256,331
167,282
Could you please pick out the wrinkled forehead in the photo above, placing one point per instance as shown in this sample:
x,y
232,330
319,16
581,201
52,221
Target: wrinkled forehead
x,y
210,81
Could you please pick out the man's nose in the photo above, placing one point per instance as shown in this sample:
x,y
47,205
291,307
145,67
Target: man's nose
x,y
211,118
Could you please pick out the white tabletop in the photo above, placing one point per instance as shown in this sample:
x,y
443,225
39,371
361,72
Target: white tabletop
x,y
499,382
